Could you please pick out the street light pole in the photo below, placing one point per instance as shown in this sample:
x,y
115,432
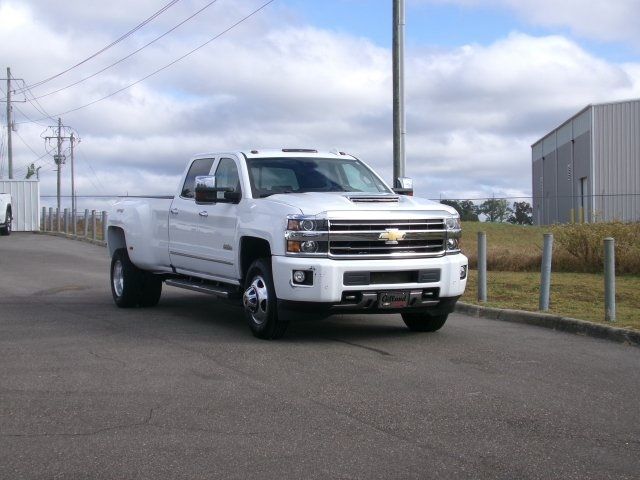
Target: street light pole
x,y
399,128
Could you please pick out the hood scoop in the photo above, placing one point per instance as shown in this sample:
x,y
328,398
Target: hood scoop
x,y
374,198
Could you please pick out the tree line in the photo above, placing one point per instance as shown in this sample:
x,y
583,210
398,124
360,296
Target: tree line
x,y
494,210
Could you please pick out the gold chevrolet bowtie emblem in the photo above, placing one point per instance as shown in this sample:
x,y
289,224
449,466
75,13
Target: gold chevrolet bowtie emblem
x,y
391,236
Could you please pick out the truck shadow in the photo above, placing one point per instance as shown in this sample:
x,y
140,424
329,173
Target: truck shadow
x,y
198,310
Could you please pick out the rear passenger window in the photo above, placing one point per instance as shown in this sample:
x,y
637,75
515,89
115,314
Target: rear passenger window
x,y
199,167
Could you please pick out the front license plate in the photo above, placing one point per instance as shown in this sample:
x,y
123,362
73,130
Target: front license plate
x,y
393,299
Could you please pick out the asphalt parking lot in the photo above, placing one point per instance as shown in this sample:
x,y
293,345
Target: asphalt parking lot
x,y
183,391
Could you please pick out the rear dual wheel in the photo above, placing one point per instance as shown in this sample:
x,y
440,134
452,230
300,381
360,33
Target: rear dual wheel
x,y
130,286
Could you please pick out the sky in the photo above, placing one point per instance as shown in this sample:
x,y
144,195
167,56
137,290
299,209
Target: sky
x,y
484,80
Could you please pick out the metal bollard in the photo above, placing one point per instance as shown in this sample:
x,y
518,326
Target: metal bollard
x,y
86,223
57,219
51,219
65,221
104,225
74,225
44,219
93,225
482,267
609,280
545,275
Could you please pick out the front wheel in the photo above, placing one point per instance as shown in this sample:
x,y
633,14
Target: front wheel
x,y
423,322
260,302
130,286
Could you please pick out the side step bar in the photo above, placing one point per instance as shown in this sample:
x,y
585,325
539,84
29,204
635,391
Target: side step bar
x,y
201,287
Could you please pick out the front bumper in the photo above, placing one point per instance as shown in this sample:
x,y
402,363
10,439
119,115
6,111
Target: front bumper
x,y
328,277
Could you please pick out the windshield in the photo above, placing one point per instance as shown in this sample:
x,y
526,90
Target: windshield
x,y
297,175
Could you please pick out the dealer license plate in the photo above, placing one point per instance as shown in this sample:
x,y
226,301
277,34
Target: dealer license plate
x,y
393,299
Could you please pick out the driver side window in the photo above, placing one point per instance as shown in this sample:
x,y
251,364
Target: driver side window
x,y
201,166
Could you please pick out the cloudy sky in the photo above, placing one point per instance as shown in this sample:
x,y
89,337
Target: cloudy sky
x,y
484,78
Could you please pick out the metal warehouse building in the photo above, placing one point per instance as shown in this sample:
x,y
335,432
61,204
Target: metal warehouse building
x,y
589,167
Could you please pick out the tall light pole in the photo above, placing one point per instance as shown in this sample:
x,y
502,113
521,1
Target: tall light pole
x,y
399,128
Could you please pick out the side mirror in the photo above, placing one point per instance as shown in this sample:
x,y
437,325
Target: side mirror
x,y
205,188
207,192
404,186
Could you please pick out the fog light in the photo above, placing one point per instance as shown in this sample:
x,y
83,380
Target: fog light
x,y
309,246
463,272
299,276
452,244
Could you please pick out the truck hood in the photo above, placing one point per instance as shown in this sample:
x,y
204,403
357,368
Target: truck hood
x,y
345,205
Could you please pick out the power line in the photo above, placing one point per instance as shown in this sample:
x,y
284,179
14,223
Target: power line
x,y
167,65
39,108
27,145
103,49
129,55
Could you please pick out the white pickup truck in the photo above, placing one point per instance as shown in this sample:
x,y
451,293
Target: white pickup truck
x,y
5,214
290,233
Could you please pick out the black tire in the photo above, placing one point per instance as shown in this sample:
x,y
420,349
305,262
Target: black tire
x,y
151,290
260,303
6,230
423,322
130,286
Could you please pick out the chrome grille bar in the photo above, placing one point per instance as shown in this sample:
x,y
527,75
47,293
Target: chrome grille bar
x,y
352,239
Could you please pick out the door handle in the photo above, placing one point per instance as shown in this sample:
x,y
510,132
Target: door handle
x,y
174,211
204,213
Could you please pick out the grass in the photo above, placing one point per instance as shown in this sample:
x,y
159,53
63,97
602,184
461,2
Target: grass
x,y
514,255
509,247
576,295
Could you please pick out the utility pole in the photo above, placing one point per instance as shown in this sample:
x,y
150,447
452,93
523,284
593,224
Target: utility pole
x,y
399,128
10,122
9,144
73,188
58,159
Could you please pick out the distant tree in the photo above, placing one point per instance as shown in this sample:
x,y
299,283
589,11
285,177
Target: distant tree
x,y
522,214
466,208
32,170
496,210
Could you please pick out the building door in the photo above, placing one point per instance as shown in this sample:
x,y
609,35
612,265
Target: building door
x,y
583,217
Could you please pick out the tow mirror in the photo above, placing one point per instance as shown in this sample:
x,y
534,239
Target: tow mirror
x,y
404,186
207,192
205,188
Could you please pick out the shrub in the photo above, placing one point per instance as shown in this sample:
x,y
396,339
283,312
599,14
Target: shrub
x,y
580,246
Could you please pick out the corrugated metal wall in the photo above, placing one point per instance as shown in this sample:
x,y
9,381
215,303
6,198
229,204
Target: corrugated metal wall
x,y
25,203
616,151
562,172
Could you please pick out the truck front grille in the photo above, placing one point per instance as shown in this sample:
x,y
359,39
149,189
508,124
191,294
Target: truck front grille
x,y
412,238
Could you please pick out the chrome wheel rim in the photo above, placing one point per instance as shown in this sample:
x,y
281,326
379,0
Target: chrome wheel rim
x,y
118,278
256,300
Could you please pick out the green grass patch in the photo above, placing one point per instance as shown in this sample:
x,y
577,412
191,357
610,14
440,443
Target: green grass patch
x,y
576,295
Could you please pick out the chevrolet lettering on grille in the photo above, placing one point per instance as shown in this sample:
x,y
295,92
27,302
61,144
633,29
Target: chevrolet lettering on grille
x,y
392,235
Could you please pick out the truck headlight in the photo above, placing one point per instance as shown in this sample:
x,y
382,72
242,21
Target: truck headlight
x,y
454,232
302,224
307,236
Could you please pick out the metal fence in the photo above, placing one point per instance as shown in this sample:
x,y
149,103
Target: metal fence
x,y
89,224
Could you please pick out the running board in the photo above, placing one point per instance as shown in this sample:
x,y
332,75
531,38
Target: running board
x,y
200,287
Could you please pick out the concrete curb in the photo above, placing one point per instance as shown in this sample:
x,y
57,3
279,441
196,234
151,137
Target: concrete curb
x,y
70,236
555,322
